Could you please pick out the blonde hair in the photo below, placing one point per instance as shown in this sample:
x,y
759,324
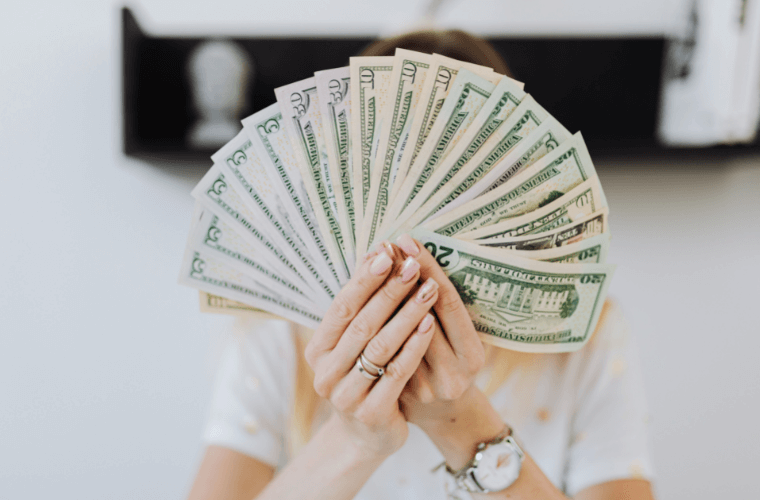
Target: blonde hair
x,y
305,398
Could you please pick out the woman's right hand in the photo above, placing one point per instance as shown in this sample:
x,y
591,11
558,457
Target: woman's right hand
x,y
363,318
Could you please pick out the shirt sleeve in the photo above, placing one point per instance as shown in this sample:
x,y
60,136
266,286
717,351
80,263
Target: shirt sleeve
x,y
609,436
250,408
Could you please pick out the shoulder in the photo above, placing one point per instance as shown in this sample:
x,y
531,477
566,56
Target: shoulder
x,y
265,358
609,433
257,369
611,342
611,329
270,339
595,365
253,391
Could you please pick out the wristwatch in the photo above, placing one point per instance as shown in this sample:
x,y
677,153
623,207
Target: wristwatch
x,y
495,466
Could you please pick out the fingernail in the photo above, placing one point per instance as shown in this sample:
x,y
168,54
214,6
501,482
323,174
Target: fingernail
x,y
408,245
409,270
426,291
381,263
388,248
368,255
426,324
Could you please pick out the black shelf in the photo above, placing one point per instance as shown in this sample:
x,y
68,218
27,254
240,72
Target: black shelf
x,y
608,88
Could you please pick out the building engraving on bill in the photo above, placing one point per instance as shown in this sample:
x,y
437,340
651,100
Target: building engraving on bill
x,y
514,299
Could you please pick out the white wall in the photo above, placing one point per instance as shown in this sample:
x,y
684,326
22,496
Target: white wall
x,y
686,238
598,17
105,362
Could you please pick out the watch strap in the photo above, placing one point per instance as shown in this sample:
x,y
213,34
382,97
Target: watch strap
x,y
505,433
465,477
452,489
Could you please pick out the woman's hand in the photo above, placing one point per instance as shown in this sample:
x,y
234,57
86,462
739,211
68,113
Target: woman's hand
x,y
363,319
441,396
455,355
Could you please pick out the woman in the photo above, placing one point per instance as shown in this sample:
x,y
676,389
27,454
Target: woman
x,y
397,347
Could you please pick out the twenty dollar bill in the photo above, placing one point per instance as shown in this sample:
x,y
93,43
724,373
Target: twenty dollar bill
x,y
522,304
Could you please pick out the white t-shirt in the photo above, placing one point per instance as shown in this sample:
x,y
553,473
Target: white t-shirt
x,y
581,416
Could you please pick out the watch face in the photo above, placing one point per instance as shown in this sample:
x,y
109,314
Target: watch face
x,y
498,467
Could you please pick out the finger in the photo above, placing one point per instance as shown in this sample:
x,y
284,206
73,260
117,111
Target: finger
x,y
367,256
341,370
372,317
449,376
419,389
354,295
449,308
383,346
355,386
440,354
399,370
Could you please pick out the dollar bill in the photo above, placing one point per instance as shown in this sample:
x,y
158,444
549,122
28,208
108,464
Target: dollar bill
x,y
213,236
579,202
370,82
266,131
333,90
245,171
468,94
205,237
239,160
217,196
589,251
507,124
409,73
547,179
494,130
522,304
214,304
211,275
544,139
299,103
584,228
441,74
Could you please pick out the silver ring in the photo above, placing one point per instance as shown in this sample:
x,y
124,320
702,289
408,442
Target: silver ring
x,y
379,370
364,372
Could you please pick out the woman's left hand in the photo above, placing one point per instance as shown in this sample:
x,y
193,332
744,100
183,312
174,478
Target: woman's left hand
x,y
455,355
441,397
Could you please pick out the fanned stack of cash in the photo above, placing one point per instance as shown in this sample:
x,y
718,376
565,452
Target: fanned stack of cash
x,y
458,156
